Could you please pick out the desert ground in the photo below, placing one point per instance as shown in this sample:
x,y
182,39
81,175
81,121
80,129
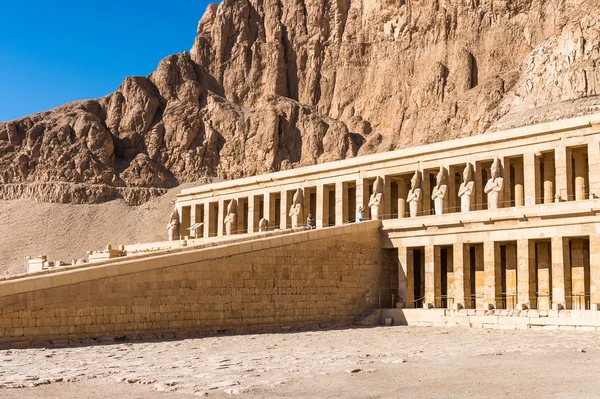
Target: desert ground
x,y
374,362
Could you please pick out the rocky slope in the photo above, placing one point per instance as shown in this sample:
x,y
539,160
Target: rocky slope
x,y
271,85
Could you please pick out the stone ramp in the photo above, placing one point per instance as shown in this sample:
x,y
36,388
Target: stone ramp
x,y
280,281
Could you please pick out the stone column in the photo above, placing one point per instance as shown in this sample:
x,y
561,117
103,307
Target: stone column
x,y
284,204
242,217
511,275
594,167
427,203
387,198
519,183
221,218
549,169
492,278
307,205
402,194
462,280
560,167
544,276
595,269
322,206
362,196
579,172
529,172
433,282
192,220
207,216
561,282
341,203
405,277
580,274
269,210
526,274
252,213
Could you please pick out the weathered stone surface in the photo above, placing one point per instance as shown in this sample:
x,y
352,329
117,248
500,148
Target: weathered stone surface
x,y
275,85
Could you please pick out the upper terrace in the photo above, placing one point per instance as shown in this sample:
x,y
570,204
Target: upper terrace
x,y
543,164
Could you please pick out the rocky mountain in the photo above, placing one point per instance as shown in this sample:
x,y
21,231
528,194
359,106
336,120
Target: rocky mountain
x,y
271,85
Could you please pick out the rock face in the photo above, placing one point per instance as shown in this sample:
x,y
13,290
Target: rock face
x,y
271,85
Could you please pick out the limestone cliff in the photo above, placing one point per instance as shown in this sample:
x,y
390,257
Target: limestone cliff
x,y
271,85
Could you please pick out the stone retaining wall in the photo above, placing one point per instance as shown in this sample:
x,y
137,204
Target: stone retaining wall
x,y
301,280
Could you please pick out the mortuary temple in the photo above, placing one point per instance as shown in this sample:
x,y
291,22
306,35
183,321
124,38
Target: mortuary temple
x,y
500,230
505,220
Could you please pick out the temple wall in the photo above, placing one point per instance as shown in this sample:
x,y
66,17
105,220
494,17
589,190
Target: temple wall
x,y
296,280
585,320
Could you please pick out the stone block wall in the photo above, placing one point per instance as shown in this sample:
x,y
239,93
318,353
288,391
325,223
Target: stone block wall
x,y
322,276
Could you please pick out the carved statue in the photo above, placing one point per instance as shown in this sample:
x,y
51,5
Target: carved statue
x,y
414,195
263,224
376,200
494,186
173,225
296,208
438,195
466,189
231,217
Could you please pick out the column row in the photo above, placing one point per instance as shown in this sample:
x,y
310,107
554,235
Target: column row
x,y
557,273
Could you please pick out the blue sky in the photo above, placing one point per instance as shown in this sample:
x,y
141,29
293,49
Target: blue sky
x,y
52,53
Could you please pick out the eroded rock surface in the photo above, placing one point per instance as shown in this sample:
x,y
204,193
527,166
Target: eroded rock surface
x,y
272,85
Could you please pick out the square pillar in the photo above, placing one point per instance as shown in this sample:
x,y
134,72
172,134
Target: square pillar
x,y
561,281
433,282
284,204
594,268
269,210
387,198
462,279
307,206
207,219
492,277
594,167
519,182
529,174
526,274
221,218
405,277
362,197
192,214
580,173
322,206
252,213
510,275
544,275
580,273
549,171
561,178
341,203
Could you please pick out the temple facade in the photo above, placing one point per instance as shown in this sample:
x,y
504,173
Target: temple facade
x,y
505,220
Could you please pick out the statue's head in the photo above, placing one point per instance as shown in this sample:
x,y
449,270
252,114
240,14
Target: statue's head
x,y
441,176
467,173
414,181
298,196
174,215
495,168
231,207
378,185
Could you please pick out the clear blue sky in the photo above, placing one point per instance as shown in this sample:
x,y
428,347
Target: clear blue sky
x,y
52,52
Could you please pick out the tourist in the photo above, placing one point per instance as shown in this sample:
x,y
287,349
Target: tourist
x,y
310,222
361,214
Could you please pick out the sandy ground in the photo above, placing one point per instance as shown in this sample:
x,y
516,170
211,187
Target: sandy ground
x,y
378,362
65,231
